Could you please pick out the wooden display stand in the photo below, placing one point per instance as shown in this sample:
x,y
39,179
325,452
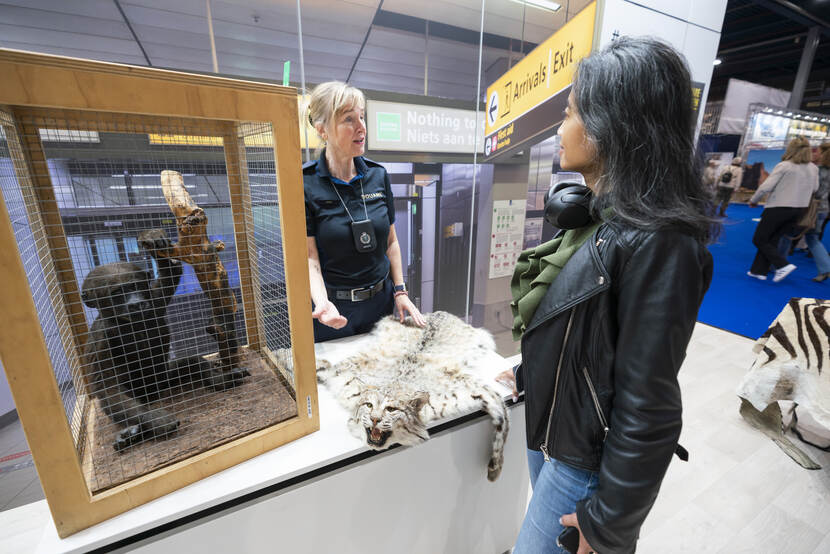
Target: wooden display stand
x,y
37,90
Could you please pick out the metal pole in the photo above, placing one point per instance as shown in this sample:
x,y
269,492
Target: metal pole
x,y
804,67
475,165
212,40
302,79
522,43
426,60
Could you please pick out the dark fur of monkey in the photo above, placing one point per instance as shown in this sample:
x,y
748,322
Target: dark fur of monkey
x,y
126,358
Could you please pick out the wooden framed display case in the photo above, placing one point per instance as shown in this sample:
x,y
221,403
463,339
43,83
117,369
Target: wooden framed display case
x,y
93,157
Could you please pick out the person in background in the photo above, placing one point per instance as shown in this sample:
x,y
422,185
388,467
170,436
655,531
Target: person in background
x,y
354,259
605,310
789,189
813,236
710,173
728,181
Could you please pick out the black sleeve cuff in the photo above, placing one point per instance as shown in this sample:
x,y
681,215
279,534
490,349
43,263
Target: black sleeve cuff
x,y
517,375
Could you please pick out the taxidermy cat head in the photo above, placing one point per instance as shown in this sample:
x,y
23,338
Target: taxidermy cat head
x,y
388,416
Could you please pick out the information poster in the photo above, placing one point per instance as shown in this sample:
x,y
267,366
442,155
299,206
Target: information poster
x,y
507,236
533,232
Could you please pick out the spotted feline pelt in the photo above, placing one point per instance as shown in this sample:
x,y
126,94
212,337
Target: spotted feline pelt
x,y
407,376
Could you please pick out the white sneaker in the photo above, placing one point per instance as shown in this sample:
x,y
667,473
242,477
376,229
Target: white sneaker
x,y
759,277
783,272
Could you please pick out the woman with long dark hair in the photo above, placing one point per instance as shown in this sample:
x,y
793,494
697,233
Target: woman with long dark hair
x,y
605,311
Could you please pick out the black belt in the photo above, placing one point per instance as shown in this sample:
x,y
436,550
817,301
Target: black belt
x,y
359,294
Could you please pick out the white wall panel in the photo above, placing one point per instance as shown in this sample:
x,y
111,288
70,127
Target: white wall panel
x,y
674,8
700,48
622,18
707,13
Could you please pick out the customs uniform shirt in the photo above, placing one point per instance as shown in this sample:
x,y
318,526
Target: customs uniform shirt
x,y
327,221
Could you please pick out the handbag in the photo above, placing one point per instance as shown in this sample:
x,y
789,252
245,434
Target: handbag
x,y
808,219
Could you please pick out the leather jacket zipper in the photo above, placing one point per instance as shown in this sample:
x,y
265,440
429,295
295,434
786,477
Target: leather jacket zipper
x,y
544,447
596,403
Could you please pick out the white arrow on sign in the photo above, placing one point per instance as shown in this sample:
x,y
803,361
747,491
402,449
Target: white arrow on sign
x,y
493,108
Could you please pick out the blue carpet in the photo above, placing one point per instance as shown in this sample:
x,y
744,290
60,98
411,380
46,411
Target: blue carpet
x,y
739,303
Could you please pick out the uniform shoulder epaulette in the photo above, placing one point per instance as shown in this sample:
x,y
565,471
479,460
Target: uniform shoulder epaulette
x,y
372,163
310,167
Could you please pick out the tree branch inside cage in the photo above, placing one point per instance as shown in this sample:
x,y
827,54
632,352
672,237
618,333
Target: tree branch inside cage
x,y
194,248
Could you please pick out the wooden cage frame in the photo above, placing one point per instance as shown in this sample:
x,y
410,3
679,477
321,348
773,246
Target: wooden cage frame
x,y
37,86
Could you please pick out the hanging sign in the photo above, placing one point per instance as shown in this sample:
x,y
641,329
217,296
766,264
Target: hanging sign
x,y
418,128
531,97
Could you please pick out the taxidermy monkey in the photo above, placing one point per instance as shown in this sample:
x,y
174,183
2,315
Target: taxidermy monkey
x,y
126,356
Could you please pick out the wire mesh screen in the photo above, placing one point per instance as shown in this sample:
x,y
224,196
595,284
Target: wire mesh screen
x,y
259,151
29,234
168,275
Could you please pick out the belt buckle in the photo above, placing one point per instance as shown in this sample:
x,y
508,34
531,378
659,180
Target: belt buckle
x,y
351,292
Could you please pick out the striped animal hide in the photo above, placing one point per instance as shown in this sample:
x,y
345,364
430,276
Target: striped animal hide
x,y
793,361
404,377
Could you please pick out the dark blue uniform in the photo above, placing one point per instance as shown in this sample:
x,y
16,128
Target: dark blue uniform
x,y
357,283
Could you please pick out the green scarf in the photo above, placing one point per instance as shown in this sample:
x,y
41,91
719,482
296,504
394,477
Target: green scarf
x,y
536,269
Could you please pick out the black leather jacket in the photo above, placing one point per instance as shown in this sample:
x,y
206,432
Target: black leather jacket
x,y
599,369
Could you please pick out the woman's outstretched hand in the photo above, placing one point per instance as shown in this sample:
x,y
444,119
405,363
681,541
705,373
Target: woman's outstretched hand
x,y
327,314
508,379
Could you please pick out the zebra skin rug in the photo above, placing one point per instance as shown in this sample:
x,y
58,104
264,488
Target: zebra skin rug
x,y
792,363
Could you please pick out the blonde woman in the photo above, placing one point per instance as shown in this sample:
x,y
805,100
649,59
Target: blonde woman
x,y
354,259
788,189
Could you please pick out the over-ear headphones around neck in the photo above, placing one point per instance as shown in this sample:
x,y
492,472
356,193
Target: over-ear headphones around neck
x,y
568,205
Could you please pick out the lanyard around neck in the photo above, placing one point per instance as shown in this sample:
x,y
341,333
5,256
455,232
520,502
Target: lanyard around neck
x,y
362,196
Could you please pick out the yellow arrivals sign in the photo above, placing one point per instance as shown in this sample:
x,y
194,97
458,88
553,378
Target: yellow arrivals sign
x,y
542,74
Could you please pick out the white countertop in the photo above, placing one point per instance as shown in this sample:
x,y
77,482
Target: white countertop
x,y
30,528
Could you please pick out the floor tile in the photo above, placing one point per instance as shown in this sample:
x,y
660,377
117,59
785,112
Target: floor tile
x,y
691,530
774,531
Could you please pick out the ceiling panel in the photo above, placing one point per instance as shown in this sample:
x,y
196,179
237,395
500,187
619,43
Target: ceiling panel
x,y
255,37
46,37
56,21
99,9
77,53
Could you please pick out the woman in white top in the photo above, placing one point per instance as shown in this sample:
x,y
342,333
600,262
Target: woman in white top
x,y
728,181
789,189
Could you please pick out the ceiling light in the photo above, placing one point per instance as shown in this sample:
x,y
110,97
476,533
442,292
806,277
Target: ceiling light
x,y
716,62
789,113
779,112
541,4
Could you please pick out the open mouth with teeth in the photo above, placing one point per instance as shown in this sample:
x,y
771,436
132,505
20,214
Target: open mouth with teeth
x,y
377,438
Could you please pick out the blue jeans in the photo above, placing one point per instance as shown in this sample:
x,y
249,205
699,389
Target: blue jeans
x,y
817,249
557,487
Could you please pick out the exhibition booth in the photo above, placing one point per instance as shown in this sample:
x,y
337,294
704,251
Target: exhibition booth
x,y
192,205
250,436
